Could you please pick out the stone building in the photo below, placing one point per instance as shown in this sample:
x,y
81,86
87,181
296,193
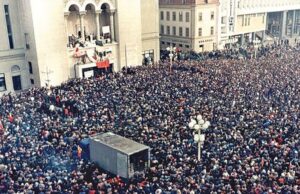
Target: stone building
x,y
189,24
49,42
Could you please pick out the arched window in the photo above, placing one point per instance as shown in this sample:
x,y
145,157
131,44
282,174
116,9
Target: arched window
x,y
15,69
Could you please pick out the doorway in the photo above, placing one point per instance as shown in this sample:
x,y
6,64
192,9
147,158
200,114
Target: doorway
x,y
17,82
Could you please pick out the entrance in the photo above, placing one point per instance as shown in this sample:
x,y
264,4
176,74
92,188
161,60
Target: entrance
x,y
17,82
148,57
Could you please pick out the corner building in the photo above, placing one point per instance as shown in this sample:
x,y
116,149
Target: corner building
x,y
189,24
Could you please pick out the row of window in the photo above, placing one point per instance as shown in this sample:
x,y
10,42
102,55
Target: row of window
x,y
180,16
174,31
174,45
180,31
246,18
212,16
16,80
174,16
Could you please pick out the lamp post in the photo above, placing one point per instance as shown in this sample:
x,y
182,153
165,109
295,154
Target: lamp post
x,y
256,43
172,51
197,125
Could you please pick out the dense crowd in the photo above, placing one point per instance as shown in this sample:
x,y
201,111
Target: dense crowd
x,y
252,145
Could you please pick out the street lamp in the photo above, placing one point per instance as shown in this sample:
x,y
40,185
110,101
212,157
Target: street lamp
x,y
172,51
197,125
256,43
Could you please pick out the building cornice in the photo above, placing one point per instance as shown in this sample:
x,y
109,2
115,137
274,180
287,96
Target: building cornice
x,y
12,57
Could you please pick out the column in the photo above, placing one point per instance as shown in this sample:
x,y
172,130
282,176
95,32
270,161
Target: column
x,y
293,24
112,29
81,15
283,24
242,39
263,36
66,15
253,36
98,23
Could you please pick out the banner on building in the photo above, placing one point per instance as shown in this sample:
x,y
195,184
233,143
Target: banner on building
x,y
105,29
103,64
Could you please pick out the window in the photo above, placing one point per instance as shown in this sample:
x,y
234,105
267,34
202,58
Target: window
x,y
168,30
187,32
168,16
187,46
162,29
161,15
248,21
199,31
30,67
245,20
26,35
212,15
223,19
200,16
242,20
8,26
32,81
2,82
162,42
174,30
212,30
180,31
187,17
180,17
174,16
180,45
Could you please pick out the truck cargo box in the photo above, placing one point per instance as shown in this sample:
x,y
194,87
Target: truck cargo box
x,y
119,155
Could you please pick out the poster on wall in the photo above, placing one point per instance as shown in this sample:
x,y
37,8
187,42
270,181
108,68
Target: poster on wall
x,y
88,74
105,29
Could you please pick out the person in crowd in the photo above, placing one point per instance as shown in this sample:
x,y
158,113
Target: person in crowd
x,y
252,145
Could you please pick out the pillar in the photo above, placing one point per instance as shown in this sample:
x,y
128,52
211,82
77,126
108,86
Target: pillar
x,y
263,36
253,36
98,23
283,24
81,15
112,29
293,24
242,39
66,15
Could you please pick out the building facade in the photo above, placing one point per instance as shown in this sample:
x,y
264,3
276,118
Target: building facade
x,y
13,68
46,43
189,24
243,21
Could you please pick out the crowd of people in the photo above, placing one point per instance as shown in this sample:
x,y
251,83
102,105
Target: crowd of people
x,y
252,145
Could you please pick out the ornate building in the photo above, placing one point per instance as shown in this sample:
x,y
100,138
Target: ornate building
x,y
48,42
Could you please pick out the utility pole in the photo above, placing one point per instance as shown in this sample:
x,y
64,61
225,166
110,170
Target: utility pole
x,y
47,72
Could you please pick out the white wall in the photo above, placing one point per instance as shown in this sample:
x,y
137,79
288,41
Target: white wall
x,y
128,22
51,40
150,26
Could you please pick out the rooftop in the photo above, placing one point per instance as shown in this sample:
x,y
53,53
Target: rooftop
x,y
119,143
